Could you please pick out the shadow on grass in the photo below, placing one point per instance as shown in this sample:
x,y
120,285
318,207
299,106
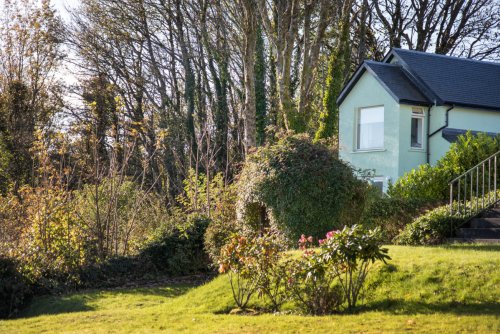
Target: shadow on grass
x,y
171,291
58,305
477,247
80,301
399,306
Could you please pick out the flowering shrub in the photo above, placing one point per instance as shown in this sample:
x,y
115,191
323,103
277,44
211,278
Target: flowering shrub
x,y
271,268
351,251
237,260
256,264
312,281
320,282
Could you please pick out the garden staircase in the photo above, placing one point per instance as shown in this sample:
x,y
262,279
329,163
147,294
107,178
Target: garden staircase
x,y
475,196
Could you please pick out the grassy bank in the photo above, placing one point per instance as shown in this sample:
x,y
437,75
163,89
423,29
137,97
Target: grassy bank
x,y
422,289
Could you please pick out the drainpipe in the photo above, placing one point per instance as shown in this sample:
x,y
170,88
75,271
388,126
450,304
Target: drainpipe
x,y
447,117
428,131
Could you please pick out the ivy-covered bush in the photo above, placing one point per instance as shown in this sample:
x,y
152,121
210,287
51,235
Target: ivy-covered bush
x,y
298,187
430,183
15,293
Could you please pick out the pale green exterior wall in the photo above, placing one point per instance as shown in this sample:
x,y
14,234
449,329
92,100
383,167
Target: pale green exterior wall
x,y
398,157
410,157
369,93
459,118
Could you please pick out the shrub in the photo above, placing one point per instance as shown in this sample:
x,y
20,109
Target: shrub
x,y
237,260
353,250
431,228
256,264
313,281
391,215
115,272
177,249
118,215
431,182
319,281
15,293
337,270
217,235
224,223
271,268
52,245
298,187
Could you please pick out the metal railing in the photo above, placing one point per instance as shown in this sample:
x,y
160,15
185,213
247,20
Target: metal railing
x,y
475,190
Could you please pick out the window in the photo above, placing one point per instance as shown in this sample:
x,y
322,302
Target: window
x,y
378,184
370,132
381,183
417,128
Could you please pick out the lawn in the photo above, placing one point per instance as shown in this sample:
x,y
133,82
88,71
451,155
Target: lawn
x,y
452,289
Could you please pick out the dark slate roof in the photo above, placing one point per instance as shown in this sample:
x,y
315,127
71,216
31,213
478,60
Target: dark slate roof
x,y
397,82
451,135
426,78
455,80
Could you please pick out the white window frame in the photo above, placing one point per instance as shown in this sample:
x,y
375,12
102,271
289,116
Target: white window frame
x,y
379,179
418,113
356,130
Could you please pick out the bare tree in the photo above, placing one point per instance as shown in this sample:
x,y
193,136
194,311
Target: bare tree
x,y
457,27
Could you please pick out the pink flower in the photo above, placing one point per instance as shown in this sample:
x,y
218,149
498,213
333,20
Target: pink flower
x,y
331,234
321,241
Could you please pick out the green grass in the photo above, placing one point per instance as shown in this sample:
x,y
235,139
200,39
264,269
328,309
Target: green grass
x,y
454,289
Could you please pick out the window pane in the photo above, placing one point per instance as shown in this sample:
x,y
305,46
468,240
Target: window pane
x,y
416,132
371,128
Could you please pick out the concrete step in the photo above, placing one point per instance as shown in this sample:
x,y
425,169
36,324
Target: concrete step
x,y
492,213
474,241
485,223
481,233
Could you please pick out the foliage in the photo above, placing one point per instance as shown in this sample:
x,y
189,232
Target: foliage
x,y
15,293
257,265
237,260
118,215
177,249
313,281
337,64
297,187
52,246
217,235
431,228
391,215
431,182
322,279
271,268
5,158
318,281
353,250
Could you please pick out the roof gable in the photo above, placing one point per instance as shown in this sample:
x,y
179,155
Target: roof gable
x,y
455,80
426,78
392,78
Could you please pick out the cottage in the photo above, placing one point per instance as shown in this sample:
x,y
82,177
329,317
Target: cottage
x,y
406,110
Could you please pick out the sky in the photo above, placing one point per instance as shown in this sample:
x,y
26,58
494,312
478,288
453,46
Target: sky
x,y
62,5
